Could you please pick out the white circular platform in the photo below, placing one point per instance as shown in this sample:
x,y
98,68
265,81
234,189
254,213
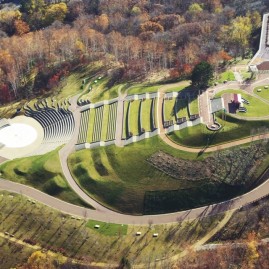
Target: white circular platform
x,y
21,138
17,135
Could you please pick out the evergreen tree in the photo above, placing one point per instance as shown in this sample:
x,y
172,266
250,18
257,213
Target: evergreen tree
x,y
202,74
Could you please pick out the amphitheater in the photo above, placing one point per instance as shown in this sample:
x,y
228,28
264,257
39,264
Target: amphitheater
x,y
48,124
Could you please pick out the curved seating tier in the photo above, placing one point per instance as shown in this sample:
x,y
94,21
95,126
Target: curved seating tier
x,y
58,124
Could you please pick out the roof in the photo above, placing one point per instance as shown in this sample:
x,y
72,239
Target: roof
x,y
237,98
263,66
217,105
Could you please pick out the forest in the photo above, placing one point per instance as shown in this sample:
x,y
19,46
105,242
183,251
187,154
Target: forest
x,y
41,42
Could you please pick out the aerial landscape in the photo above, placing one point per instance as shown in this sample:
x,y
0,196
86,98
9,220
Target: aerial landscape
x,y
134,134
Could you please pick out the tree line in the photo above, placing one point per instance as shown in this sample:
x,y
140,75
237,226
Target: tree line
x,y
37,39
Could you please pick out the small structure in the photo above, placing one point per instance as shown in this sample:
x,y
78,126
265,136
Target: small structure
x,y
96,226
138,233
237,99
155,235
217,104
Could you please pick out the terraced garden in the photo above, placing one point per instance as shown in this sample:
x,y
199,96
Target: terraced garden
x,y
193,106
134,118
90,126
105,122
181,108
98,121
125,129
112,120
146,115
83,127
169,109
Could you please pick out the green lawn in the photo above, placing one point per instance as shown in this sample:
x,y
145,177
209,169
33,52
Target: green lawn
x,y
77,238
119,177
134,117
256,108
123,179
146,114
72,84
233,129
182,108
105,122
108,229
169,109
264,92
185,85
227,75
91,125
138,89
193,106
43,173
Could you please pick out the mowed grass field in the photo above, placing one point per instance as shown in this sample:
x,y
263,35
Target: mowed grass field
x,y
77,237
264,93
256,107
43,173
169,109
146,115
181,107
233,129
193,106
134,117
122,179
226,76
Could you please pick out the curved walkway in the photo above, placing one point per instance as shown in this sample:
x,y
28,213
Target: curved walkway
x,y
105,214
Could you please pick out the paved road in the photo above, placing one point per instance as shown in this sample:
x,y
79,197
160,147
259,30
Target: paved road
x,y
104,214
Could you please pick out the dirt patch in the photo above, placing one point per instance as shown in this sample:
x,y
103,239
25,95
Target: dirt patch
x,y
233,167
179,168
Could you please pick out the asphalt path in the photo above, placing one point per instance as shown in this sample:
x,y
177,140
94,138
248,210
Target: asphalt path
x,y
105,214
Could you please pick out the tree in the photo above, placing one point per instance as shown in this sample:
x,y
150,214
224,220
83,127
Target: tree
x,y
151,26
195,8
202,74
21,27
55,12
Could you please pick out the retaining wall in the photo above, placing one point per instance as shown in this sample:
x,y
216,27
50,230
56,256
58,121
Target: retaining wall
x,y
142,96
177,127
96,105
137,138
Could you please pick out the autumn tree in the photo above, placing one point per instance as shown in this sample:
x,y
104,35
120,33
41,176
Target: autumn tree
x,y
237,34
202,74
21,27
55,12
7,19
150,26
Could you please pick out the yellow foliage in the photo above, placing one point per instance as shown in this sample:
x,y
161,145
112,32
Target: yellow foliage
x,y
56,12
8,16
80,46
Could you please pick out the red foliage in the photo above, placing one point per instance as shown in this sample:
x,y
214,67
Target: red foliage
x,y
224,56
4,94
174,73
187,69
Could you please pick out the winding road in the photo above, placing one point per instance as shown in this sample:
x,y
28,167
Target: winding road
x,y
105,214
